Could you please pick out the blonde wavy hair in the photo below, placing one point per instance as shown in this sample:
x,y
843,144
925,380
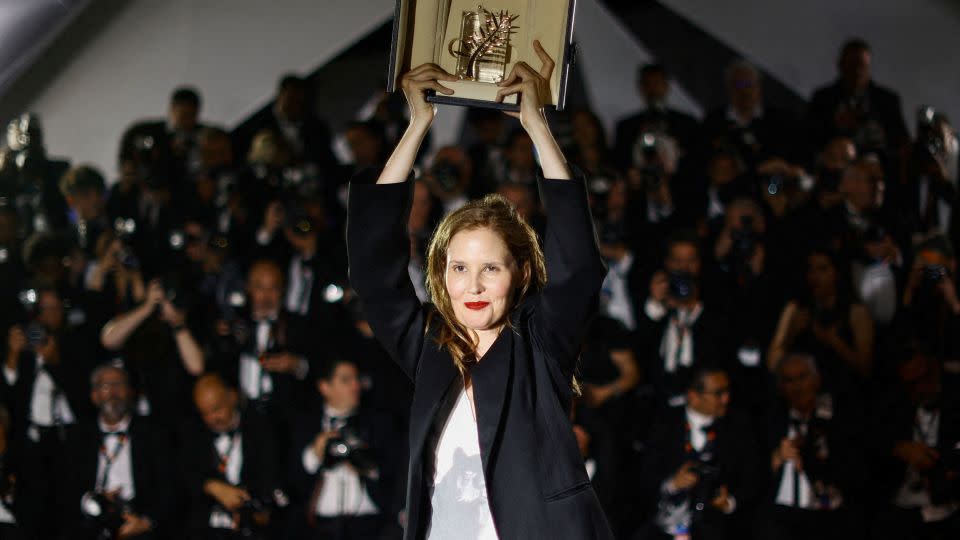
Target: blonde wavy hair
x,y
497,214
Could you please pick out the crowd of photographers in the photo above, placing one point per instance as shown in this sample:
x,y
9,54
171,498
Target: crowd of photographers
x,y
775,354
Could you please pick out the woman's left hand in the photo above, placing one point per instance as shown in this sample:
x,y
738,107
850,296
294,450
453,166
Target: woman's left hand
x,y
532,88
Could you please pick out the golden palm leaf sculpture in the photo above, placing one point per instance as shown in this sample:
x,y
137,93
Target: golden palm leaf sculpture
x,y
483,48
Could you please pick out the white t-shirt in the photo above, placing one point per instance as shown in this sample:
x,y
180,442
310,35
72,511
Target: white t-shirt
x,y
458,494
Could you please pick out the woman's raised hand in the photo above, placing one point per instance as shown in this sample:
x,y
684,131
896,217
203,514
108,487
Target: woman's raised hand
x,y
532,88
416,82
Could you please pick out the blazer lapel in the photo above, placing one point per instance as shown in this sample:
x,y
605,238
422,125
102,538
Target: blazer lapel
x,y
491,380
434,377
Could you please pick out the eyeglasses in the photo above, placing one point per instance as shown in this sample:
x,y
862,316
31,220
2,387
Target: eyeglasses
x,y
109,385
717,393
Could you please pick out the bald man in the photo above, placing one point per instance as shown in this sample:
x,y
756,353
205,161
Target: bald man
x,y
230,466
266,353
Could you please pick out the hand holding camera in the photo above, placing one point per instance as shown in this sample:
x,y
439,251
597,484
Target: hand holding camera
x,y
230,497
685,478
789,450
321,441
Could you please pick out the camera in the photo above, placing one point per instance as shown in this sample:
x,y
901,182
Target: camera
x,y
247,525
446,175
104,513
681,285
646,157
124,229
176,294
929,139
349,447
933,274
744,242
35,331
708,484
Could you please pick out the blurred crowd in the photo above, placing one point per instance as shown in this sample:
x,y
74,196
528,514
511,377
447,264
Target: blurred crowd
x,y
775,355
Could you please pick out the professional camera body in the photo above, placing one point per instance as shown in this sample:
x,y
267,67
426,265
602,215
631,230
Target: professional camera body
x,y
646,157
351,446
247,525
104,513
35,331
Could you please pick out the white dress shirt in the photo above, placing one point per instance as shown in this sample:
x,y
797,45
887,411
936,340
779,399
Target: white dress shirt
x,y
114,463
343,492
254,381
230,449
48,404
615,296
301,285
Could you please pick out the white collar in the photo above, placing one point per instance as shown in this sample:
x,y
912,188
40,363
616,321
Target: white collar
x,y
332,412
122,426
732,115
698,420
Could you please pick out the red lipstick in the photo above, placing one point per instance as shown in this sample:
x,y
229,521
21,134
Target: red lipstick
x,y
476,305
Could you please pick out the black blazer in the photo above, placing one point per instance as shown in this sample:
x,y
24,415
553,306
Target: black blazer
x,y
151,464
737,460
372,428
536,481
198,461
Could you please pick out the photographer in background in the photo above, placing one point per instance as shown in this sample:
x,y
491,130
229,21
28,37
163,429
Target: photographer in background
x,y
700,467
342,467
116,469
928,193
159,351
229,467
265,351
84,189
678,332
826,321
168,148
29,179
755,129
115,274
917,432
930,303
653,83
450,177
816,459
47,362
856,107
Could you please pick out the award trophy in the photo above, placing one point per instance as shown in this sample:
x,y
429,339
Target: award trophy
x,y
479,41
484,45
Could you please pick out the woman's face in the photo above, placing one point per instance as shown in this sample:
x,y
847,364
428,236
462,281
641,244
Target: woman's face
x,y
821,276
480,275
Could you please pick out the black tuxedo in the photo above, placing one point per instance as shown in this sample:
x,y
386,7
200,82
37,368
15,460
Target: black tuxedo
x,y
883,107
151,463
35,451
678,125
735,458
289,333
199,461
314,137
773,134
381,439
710,339
535,476
167,162
833,455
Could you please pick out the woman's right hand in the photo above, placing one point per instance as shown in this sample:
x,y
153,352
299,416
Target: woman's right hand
x,y
416,82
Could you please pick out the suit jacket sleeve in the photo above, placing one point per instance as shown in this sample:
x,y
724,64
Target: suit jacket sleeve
x,y
575,270
378,251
